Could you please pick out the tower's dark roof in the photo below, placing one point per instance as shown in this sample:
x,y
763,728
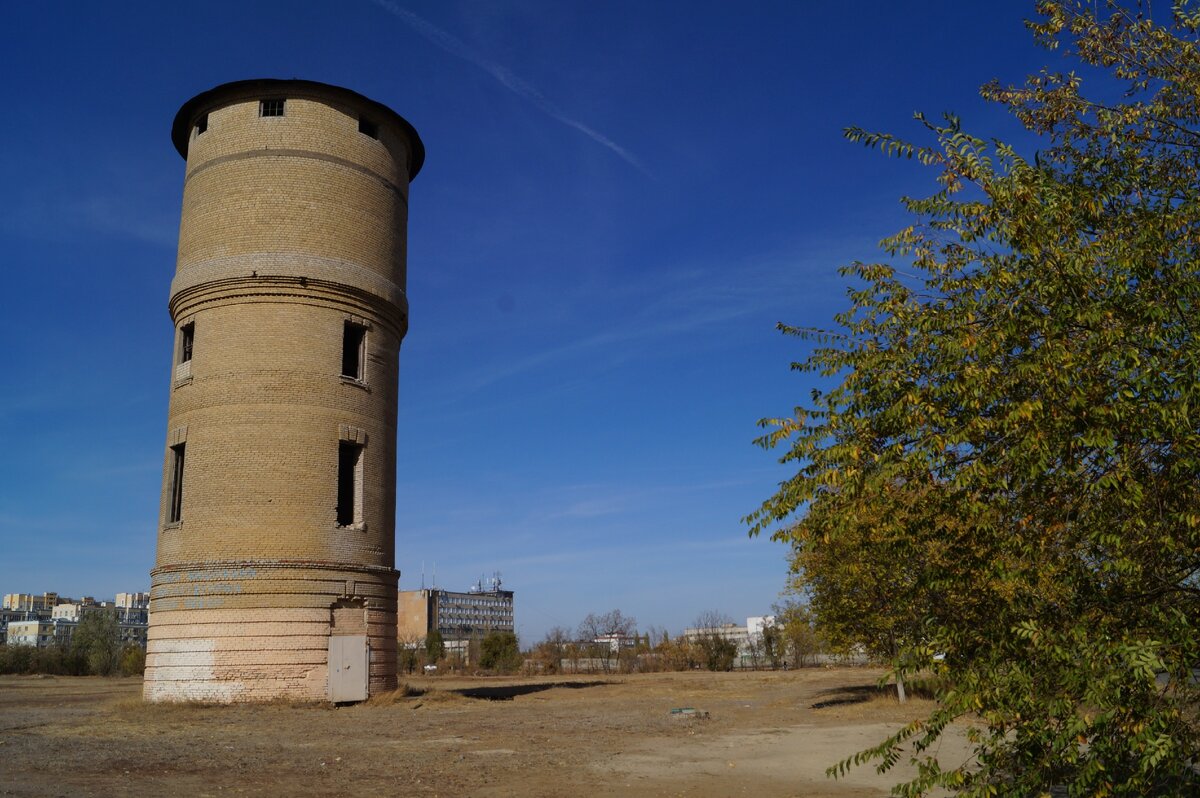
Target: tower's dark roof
x,y
182,127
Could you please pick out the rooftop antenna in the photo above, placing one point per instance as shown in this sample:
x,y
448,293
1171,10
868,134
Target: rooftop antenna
x,y
422,574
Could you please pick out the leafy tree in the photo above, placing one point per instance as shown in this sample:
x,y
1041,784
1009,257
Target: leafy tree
x,y
1007,464
612,625
499,651
678,654
773,645
716,651
407,653
712,620
54,659
754,650
133,660
574,652
794,635
97,639
435,647
553,649
879,605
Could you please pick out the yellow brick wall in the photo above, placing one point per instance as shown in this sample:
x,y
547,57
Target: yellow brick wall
x,y
412,614
290,227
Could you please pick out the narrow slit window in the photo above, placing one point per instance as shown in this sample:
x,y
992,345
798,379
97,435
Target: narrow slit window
x,y
175,508
202,124
349,502
271,107
367,127
187,337
354,341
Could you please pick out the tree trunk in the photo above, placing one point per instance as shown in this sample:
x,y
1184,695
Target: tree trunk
x,y
900,694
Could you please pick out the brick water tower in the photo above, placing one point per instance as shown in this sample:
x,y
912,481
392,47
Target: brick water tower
x,y
275,571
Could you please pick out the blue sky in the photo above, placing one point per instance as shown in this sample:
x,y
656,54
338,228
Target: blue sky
x,y
620,200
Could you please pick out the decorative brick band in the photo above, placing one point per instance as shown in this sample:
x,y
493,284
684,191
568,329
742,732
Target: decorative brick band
x,y
281,288
287,153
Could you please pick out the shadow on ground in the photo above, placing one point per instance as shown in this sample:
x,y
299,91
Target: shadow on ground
x,y
862,693
510,691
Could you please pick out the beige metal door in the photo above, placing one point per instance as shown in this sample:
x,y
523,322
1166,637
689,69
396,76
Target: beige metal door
x,y
348,668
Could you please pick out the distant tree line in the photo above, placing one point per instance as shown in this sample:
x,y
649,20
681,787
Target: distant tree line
x,y
95,649
497,652
610,642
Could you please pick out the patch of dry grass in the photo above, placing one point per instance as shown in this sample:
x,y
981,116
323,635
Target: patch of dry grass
x,y
139,707
442,697
392,697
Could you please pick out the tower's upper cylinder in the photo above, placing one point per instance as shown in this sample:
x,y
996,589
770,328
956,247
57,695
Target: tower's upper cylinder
x,y
254,147
289,291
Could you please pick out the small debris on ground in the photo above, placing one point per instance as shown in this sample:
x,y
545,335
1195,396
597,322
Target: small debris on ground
x,y
689,712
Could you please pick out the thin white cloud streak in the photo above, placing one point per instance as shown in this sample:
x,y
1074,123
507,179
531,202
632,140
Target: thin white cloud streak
x,y
117,216
671,550
20,405
704,300
648,553
504,76
594,501
484,377
570,513
45,218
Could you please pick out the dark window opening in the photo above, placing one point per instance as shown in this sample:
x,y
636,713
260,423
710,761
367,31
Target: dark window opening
x,y
187,337
175,508
202,124
367,127
271,107
349,500
354,339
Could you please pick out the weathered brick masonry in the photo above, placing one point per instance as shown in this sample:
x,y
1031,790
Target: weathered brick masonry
x,y
292,242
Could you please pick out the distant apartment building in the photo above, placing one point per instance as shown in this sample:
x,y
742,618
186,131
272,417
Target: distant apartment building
x,y
30,602
74,611
37,632
50,619
458,617
19,607
132,601
7,617
42,632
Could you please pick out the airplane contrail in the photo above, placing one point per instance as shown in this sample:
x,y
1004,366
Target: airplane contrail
x,y
506,78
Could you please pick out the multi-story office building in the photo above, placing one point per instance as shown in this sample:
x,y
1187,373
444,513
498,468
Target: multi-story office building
x,y
458,617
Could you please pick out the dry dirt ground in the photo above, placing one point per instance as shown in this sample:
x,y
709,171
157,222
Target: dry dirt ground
x,y
766,734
